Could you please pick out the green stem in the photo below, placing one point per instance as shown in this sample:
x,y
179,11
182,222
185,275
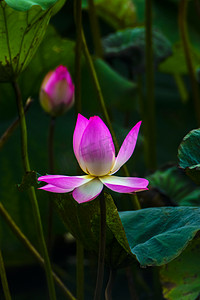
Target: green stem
x,y
79,270
50,145
4,279
89,61
150,105
131,284
51,171
108,292
143,115
78,50
157,288
98,88
182,16
23,239
36,213
102,246
94,25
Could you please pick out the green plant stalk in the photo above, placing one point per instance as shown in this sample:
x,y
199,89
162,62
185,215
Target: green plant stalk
x,y
102,246
182,16
98,88
35,207
23,239
79,270
143,115
51,171
108,292
50,144
150,103
136,204
4,279
131,284
156,284
94,25
78,51
78,106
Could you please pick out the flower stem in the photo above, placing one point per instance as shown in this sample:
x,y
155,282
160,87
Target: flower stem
x,y
108,292
98,88
150,109
135,201
186,47
94,25
51,171
131,285
78,50
102,246
50,145
79,270
4,279
36,213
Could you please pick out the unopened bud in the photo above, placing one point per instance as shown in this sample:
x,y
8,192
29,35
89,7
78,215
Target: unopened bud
x,y
57,92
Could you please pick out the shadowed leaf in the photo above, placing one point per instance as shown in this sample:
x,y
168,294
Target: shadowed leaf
x,y
158,235
129,45
181,277
189,155
176,186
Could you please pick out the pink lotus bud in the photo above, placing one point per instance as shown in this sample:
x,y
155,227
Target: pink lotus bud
x,y
57,92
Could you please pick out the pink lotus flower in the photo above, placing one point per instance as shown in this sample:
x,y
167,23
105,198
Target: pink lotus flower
x,y
95,152
57,92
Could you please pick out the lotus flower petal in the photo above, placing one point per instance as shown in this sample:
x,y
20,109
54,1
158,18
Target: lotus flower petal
x,y
127,148
97,150
59,78
66,182
54,189
81,124
88,191
125,184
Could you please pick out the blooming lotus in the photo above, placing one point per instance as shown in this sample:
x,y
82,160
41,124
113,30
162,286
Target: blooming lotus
x,y
95,153
57,92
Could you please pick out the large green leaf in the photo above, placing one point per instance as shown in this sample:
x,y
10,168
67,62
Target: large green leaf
x,y
175,187
23,5
21,34
189,155
158,235
83,221
129,45
119,13
181,277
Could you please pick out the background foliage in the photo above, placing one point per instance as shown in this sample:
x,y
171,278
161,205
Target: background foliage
x,y
170,219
